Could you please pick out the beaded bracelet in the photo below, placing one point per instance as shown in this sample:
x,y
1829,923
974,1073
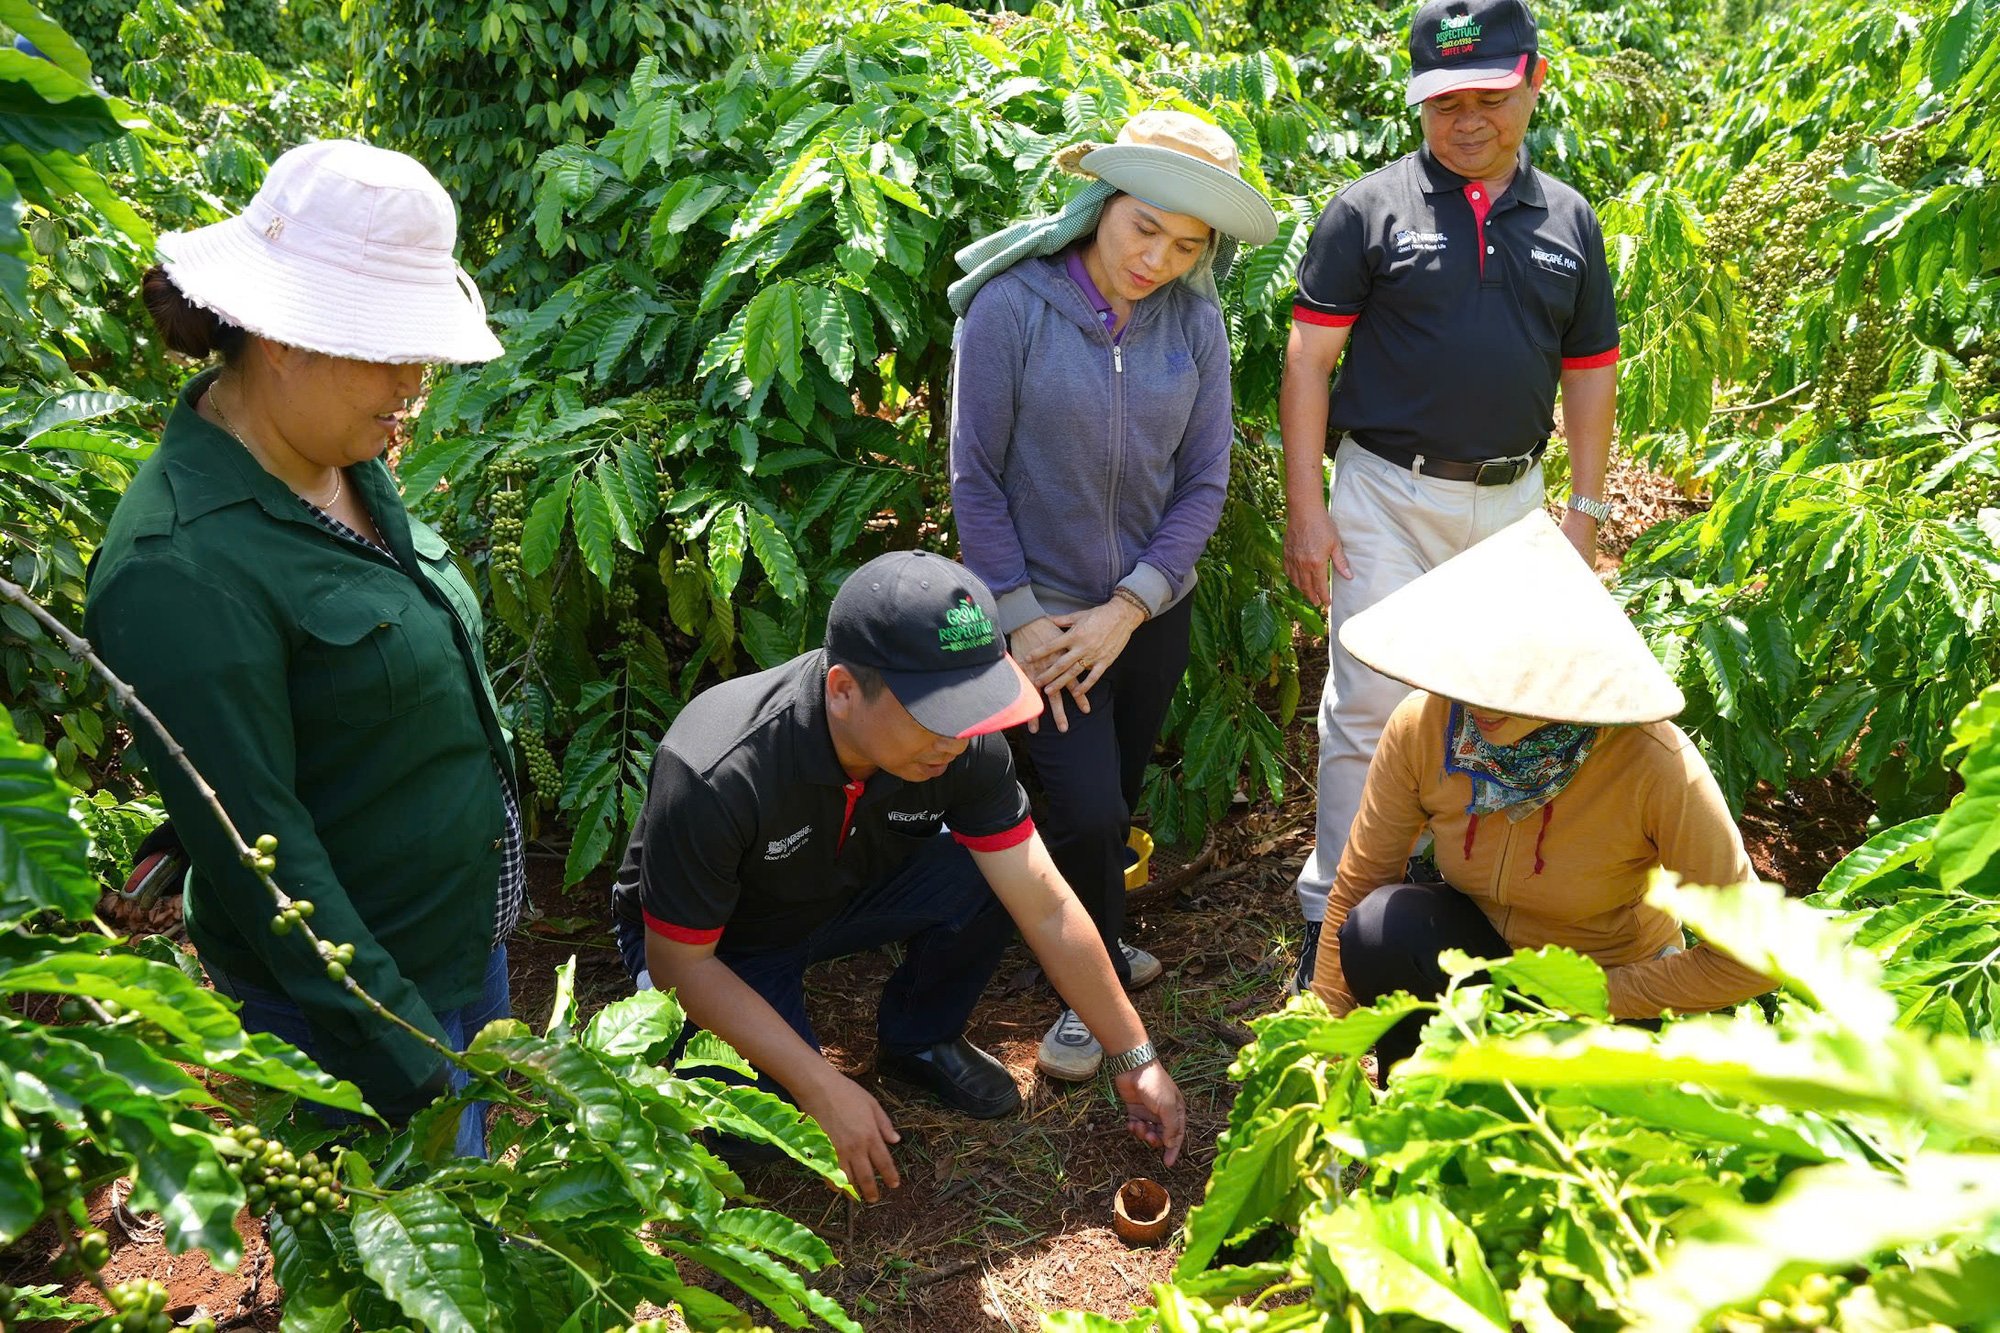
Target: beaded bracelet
x,y
1125,594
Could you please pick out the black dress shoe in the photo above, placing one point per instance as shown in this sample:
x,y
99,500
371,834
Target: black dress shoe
x,y
959,1074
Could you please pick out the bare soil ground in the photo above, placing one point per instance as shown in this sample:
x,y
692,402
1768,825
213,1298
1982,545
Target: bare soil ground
x,y
998,1221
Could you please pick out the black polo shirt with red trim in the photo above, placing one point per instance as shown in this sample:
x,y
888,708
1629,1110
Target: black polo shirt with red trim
x,y
753,834
1464,310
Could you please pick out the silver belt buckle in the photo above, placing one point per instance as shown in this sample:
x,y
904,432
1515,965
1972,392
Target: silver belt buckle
x,y
1516,467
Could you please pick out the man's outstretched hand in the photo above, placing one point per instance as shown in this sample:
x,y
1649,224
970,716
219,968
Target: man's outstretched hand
x,y
1153,1109
861,1132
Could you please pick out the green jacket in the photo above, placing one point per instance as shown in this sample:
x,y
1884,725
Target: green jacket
x,y
332,700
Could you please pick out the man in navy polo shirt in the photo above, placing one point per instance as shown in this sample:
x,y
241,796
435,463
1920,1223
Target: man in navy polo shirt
x,y
855,796
1465,288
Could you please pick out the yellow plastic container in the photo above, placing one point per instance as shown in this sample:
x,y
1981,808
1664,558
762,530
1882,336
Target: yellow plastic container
x,y
1140,870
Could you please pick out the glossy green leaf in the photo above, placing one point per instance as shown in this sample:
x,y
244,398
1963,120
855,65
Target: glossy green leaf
x,y
1409,1255
43,860
1559,977
421,1251
541,533
641,1024
590,514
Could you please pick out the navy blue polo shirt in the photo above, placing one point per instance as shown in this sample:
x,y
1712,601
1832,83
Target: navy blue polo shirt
x,y
753,834
1465,310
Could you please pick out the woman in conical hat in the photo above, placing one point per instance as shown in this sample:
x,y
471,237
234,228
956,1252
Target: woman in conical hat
x,y
1536,750
1090,433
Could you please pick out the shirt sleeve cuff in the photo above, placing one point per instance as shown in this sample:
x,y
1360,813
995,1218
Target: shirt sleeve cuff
x,y
681,934
1604,358
1305,314
996,842
1152,585
1017,607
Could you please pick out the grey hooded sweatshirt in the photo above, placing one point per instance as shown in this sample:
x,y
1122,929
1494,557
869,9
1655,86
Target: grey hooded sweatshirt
x,y
1078,464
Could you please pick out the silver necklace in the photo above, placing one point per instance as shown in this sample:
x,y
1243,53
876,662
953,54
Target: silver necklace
x,y
339,477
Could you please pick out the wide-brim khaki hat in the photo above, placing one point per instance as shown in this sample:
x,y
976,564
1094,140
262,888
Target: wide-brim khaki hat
x,y
346,249
1180,162
1517,624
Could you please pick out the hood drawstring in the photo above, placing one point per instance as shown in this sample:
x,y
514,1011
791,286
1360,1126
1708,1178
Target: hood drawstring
x,y
1548,813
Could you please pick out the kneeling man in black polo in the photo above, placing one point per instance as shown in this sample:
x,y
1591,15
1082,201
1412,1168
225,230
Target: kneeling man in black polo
x,y
853,796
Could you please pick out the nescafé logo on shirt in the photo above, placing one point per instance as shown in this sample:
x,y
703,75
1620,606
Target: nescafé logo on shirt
x,y
1457,34
965,626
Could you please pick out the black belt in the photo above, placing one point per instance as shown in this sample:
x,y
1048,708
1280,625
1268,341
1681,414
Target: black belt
x,y
1491,472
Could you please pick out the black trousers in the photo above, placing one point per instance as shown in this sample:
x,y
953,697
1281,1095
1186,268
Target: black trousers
x,y
1091,774
1391,941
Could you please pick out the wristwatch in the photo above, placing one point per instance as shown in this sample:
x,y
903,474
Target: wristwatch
x,y
1126,1061
1590,508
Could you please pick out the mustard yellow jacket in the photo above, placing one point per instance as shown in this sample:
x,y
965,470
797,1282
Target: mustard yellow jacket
x,y
1643,798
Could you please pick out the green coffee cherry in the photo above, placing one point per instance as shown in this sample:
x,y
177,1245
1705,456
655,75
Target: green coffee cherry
x,y
266,844
336,971
302,908
281,924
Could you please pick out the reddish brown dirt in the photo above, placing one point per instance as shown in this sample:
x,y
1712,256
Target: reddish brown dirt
x,y
244,1299
998,1221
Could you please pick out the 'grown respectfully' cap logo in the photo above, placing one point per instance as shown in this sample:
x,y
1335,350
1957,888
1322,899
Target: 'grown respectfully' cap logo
x,y
965,626
1457,34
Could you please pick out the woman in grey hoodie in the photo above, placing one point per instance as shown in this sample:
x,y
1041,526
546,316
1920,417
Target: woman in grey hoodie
x,y
1090,434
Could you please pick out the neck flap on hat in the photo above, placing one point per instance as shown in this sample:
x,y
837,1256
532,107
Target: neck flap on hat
x,y
993,254
1516,779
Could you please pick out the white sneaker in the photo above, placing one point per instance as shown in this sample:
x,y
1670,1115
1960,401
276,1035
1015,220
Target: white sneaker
x,y
1069,1052
1146,969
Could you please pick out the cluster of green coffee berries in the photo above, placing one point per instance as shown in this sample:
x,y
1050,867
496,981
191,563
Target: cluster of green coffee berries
x,y
543,774
263,856
649,1326
1809,1305
337,957
274,1178
509,508
291,915
141,1307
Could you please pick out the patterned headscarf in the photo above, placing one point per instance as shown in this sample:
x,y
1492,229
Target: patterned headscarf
x,y
1516,779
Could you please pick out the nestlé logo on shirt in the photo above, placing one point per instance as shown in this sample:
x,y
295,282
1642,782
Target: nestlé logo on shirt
x,y
780,848
1409,241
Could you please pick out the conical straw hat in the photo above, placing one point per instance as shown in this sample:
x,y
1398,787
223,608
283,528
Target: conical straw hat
x,y
1517,624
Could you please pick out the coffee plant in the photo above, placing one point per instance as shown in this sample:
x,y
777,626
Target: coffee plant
x,y
434,70
146,1074
1827,1165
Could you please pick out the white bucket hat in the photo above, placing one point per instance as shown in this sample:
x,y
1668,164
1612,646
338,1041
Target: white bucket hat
x,y
1181,163
1517,624
346,250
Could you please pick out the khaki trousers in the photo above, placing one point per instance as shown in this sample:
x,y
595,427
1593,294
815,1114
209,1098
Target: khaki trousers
x,y
1394,525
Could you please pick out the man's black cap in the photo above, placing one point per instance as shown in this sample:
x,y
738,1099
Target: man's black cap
x,y
1460,44
930,627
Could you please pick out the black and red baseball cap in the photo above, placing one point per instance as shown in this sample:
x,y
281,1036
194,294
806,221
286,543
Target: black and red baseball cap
x,y
1459,45
930,627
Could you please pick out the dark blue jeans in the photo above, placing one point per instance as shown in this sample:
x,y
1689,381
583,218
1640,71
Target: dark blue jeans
x,y
269,1011
938,905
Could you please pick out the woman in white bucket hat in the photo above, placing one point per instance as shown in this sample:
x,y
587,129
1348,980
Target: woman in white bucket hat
x,y
1537,750
313,647
1090,433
